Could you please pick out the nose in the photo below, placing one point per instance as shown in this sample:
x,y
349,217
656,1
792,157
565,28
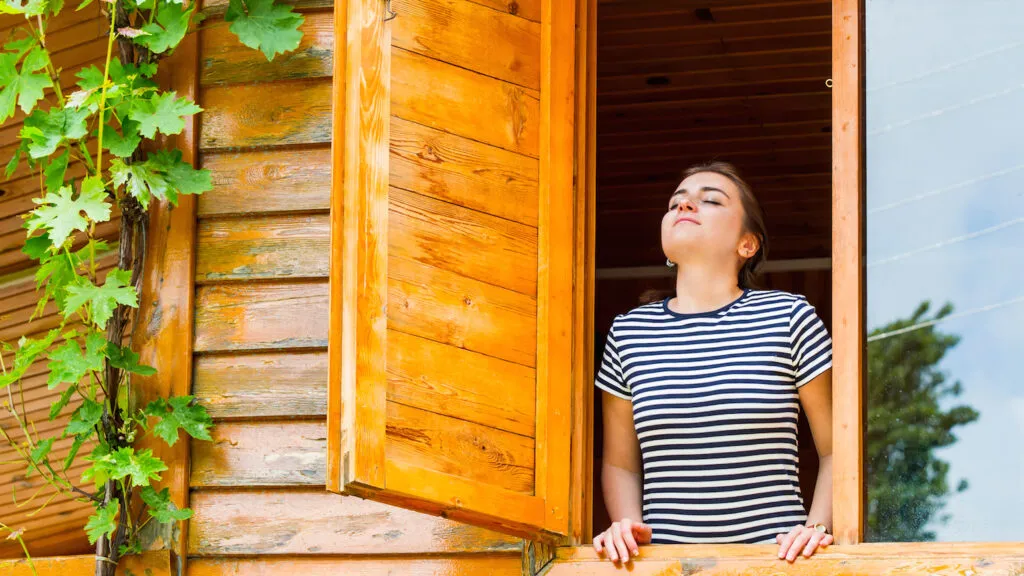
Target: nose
x,y
686,205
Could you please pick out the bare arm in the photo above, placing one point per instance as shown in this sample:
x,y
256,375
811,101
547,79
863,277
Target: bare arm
x,y
621,480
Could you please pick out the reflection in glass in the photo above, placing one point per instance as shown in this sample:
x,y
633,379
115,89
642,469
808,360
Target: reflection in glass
x,y
944,105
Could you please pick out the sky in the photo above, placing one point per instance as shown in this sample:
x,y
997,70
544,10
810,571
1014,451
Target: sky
x,y
944,104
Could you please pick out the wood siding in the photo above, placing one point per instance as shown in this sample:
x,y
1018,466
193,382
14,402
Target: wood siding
x,y
261,319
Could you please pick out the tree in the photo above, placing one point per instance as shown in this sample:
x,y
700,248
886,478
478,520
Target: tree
x,y
907,483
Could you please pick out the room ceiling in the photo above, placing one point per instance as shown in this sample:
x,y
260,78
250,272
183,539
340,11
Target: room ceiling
x,y
684,81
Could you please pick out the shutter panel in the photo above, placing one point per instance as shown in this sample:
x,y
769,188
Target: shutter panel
x,y
451,260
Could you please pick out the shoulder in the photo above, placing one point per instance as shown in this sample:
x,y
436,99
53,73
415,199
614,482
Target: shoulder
x,y
651,311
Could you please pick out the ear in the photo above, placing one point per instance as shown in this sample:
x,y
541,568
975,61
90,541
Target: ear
x,y
748,245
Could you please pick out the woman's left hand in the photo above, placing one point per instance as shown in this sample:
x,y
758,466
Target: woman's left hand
x,y
801,539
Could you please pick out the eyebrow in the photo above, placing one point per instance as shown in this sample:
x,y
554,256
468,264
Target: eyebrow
x,y
703,189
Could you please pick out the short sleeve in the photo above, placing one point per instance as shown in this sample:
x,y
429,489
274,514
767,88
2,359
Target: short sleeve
x,y
609,376
812,345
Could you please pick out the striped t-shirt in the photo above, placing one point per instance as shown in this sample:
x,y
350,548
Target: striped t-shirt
x,y
715,406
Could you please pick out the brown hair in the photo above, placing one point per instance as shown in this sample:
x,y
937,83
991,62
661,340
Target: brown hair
x,y
753,220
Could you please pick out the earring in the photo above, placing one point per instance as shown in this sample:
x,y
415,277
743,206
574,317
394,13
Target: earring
x,y
669,263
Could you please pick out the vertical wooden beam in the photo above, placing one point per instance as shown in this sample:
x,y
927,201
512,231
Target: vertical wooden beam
x,y
555,242
581,506
847,269
163,330
357,385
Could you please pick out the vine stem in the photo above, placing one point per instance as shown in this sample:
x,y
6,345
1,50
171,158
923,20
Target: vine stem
x,y
103,89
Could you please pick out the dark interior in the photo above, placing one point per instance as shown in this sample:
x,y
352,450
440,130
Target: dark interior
x,y
684,81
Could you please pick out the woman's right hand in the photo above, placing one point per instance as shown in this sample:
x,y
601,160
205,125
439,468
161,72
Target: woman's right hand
x,y
622,539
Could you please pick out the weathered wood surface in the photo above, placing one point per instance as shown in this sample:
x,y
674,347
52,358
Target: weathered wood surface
x,y
264,248
505,564
259,386
272,522
260,454
250,115
267,181
260,317
156,563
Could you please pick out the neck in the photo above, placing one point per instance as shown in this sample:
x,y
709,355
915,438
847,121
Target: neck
x,y
703,288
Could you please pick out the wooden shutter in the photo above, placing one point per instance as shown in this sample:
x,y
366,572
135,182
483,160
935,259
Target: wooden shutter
x,y
452,259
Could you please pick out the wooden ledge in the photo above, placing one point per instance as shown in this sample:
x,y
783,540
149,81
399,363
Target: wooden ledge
x,y
156,563
933,558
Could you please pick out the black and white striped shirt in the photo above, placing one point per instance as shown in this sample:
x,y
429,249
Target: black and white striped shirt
x,y
715,406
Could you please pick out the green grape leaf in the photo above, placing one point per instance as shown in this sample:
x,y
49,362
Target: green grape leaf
x,y
180,175
91,77
160,506
99,472
28,350
26,87
102,522
179,412
55,170
163,175
60,214
84,418
69,363
122,357
46,131
122,145
101,300
162,112
170,27
265,26
141,466
75,447
65,397
41,450
12,164
35,247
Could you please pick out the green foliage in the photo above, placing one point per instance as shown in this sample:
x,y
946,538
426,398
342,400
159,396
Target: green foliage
x,y
265,26
90,370
907,483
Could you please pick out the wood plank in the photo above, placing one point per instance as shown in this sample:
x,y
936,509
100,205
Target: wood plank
x,y
675,18
946,558
226,60
443,96
463,172
469,243
292,384
359,249
267,181
260,317
717,32
555,289
462,312
272,522
767,39
156,563
478,453
720,112
462,384
848,272
768,79
275,114
447,565
470,36
529,9
280,247
261,454
215,8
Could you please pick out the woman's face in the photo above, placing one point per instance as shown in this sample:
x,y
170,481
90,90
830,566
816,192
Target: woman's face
x,y
705,216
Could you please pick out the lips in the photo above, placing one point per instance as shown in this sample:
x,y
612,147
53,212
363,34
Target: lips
x,y
687,219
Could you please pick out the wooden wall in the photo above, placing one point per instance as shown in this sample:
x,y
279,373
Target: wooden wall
x,y
258,490
76,40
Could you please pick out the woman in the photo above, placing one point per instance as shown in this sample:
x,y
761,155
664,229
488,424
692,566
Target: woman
x,y
702,391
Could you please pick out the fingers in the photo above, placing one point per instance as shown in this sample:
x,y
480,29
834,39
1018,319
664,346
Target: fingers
x,y
787,540
793,542
627,536
620,544
812,544
642,532
599,543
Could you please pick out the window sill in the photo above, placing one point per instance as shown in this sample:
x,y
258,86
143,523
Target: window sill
x,y
961,558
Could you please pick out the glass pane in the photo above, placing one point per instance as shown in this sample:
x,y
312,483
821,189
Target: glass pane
x,y
945,289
